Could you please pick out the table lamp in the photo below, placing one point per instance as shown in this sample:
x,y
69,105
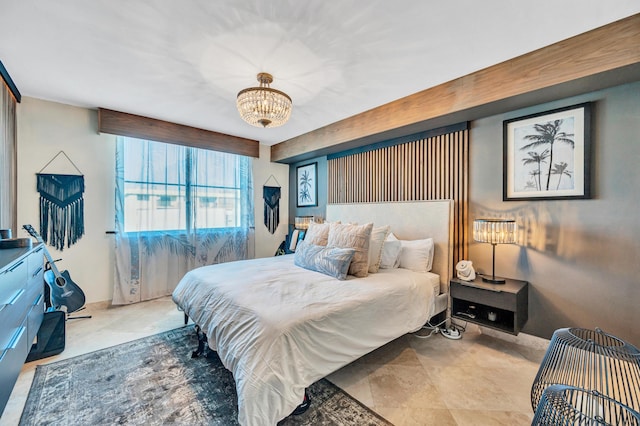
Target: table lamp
x,y
302,222
494,231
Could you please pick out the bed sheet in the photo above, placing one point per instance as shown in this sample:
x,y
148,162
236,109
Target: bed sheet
x,y
279,328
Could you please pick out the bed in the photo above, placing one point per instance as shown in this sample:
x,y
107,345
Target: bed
x,y
279,328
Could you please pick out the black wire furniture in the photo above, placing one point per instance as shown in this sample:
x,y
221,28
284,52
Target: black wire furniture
x,y
567,405
590,360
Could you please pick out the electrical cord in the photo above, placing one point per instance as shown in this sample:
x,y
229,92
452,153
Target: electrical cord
x,y
433,328
454,331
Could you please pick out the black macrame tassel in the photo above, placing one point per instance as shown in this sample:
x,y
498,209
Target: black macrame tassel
x,y
271,195
61,209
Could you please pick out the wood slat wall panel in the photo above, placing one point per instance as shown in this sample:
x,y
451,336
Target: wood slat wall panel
x,y
426,169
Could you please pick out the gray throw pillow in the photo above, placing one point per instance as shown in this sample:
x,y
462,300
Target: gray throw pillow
x,y
330,261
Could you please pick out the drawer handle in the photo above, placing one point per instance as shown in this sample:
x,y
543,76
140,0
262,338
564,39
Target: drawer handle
x,y
37,302
14,342
3,306
16,266
17,338
35,274
17,296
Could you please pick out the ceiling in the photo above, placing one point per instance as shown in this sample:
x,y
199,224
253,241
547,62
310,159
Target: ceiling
x,y
185,61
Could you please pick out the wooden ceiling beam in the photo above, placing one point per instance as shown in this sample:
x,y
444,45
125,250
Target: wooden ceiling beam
x,y
600,52
136,126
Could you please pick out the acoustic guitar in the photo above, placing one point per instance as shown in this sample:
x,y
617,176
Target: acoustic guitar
x,y
63,291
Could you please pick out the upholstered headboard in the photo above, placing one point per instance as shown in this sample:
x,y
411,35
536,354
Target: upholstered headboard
x,y
412,220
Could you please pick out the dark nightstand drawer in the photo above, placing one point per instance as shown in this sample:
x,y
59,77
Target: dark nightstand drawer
x,y
498,299
503,307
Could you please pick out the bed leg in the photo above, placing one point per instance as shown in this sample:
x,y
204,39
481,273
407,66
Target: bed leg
x,y
306,403
203,348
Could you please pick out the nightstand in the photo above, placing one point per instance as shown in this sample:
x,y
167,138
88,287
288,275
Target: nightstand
x,y
502,307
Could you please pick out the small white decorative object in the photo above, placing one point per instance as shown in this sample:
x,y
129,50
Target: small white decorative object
x,y
465,270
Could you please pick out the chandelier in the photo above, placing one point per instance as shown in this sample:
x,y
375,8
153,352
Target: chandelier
x,y
264,106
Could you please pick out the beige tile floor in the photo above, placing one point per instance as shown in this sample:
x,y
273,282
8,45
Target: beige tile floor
x,y
477,380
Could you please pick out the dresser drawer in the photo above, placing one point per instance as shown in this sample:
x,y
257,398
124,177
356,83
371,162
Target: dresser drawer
x,y
35,261
34,318
35,264
12,314
12,358
12,280
35,284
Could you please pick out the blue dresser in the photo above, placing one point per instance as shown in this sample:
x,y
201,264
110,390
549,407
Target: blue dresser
x,y
21,311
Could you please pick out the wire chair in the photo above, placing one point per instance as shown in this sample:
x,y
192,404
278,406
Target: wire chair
x,y
591,360
562,405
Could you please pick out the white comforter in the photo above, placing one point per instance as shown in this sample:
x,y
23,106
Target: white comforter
x,y
279,328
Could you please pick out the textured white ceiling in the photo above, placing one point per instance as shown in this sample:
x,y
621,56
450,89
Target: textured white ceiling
x,y
185,61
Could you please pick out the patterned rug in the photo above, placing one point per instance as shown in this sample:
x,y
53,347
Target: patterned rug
x,y
154,381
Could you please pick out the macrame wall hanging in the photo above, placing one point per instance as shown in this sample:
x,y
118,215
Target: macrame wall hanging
x,y
271,196
61,206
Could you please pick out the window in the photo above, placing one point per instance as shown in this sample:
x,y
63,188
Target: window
x,y
171,187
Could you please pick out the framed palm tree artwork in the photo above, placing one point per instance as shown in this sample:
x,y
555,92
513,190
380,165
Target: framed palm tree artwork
x,y
547,156
307,185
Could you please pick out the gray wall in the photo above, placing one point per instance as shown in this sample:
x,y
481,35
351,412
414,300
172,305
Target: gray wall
x,y
321,208
582,257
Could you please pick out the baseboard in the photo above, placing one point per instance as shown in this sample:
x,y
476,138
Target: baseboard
x,y
523,339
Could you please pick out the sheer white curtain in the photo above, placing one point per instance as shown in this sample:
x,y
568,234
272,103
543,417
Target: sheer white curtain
x,y
177,208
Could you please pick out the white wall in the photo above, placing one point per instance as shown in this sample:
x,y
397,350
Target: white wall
x,y
263,168
44,129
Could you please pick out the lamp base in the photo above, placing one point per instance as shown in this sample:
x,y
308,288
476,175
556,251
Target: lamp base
x,y
494,280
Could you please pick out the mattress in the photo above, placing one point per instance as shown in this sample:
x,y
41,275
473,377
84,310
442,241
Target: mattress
x,y
279,328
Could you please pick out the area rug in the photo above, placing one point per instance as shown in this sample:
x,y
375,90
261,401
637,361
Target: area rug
x,y
154,381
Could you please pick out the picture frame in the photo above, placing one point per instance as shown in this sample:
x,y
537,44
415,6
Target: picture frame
x,y
547,156
307,185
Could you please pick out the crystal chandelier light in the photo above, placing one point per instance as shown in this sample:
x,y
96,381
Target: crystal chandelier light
x,y
264,106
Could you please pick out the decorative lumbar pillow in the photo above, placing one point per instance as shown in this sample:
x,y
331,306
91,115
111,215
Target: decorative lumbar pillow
x,y
330,261
356,237
390,254
318,233
417,255
378,236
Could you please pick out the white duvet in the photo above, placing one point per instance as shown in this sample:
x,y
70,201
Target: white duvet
x,y
279,328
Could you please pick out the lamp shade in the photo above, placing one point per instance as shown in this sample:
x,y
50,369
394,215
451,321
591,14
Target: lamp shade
x,y
495,231
591,360
302,222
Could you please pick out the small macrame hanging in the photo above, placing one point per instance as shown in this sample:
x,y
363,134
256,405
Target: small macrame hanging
x,y
61,206
271,196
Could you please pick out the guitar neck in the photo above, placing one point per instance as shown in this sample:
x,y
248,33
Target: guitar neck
x,y
52,263
47,255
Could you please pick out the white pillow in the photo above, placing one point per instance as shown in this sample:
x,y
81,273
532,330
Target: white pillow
x,y
390,253
417,255
378,236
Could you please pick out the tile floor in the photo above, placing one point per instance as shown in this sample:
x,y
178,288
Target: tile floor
x,y
477,380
